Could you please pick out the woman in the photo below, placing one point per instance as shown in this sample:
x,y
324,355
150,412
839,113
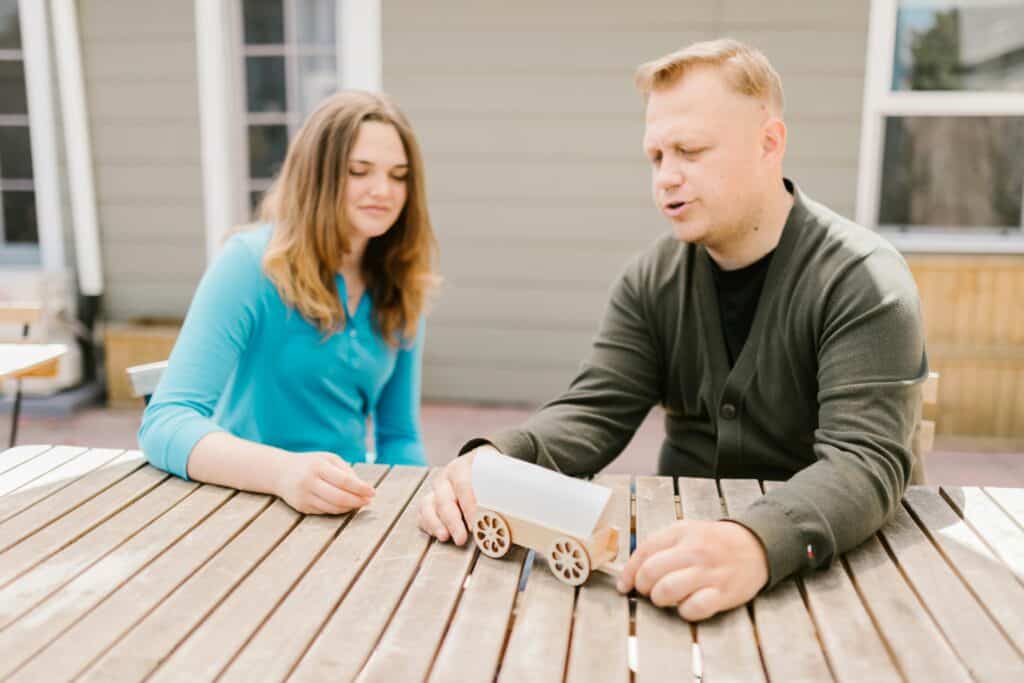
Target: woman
x,y
306,327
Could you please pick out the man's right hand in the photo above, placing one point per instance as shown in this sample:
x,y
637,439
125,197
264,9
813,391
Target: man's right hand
x,y
445,509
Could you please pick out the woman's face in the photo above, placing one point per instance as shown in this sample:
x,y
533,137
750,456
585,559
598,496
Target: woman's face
x,y
376,186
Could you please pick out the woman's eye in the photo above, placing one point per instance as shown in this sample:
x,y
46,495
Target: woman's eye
x,y
401,178
356,172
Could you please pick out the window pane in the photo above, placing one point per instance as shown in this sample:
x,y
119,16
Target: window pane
x,y
10,31
12,88
318,78
15,152
267,147
264,22
20,217
264,80
316,22
959,46
955,172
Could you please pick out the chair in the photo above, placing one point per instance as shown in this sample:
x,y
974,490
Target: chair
x,y
25,315
144,378
924,434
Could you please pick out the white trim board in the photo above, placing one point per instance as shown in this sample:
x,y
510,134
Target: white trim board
x,y
43,134
79,148
218,117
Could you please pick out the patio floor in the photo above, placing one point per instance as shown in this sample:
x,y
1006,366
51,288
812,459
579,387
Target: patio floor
x,y
446,426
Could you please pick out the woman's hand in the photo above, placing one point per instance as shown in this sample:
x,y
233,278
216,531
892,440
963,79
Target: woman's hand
x,y
320,483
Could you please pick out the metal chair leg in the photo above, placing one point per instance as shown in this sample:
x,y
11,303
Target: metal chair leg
x,y
16,412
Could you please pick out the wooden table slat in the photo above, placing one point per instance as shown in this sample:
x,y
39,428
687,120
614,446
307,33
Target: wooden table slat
x,y
992,523
539,640
74,649
20,476
147,644
408,646
854,648
53,538
75,599
699,498
291,628
15,457
904,622
786,633
599,646
57,479
992,582
363,615
213,645
727,642
472,647
969,629
1011,500
664,641
22,516
33,586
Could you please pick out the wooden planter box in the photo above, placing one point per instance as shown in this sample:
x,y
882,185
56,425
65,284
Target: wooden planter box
x,y
134,343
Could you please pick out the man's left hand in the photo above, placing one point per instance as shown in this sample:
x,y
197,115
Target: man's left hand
x,y
699,567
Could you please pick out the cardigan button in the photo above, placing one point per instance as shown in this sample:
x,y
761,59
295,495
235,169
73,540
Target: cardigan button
x,y
728,411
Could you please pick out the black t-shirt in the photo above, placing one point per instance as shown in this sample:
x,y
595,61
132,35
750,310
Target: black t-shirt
x,y
738,294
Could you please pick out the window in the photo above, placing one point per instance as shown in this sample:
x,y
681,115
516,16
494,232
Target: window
x,y
291,63
19,237
942,167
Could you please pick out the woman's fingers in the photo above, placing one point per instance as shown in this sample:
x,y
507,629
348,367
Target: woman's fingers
x,y
338,500
346,479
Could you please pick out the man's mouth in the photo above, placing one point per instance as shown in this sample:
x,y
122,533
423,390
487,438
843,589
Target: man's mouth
x,y
675,208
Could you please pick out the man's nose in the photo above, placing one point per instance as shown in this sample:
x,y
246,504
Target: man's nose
x,y
667,177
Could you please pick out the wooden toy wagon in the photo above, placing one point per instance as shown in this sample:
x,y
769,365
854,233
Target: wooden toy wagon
x,y
564,519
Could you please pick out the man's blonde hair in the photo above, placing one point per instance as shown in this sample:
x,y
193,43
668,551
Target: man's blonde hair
x,y
745,69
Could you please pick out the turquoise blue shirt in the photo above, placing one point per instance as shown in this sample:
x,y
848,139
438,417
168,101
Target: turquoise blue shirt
x,y
248,364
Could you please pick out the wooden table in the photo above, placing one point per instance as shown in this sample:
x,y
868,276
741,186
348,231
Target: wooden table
x,y
111,570
25,359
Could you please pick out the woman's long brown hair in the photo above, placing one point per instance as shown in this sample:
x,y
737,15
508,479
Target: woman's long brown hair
x,y
311,232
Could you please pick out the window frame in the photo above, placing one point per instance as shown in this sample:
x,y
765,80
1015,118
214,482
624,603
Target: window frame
x,y
19,253
882,102
224,116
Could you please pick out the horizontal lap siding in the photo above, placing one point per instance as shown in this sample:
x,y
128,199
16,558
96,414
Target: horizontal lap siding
x,y
139,61
538,189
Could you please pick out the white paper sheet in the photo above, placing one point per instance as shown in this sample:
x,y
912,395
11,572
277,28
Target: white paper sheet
x,y
539,495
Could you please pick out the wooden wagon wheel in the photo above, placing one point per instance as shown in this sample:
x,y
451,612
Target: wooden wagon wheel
x,y
491,534
569,561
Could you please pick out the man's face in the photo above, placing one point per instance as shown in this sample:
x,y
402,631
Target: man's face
x,y
706,146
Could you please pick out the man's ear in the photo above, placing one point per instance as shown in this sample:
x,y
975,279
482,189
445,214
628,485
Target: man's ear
x,y
773,140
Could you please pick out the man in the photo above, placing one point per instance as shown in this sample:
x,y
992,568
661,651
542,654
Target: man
x,y
783,341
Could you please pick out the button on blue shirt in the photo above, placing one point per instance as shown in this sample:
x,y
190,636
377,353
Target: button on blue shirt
x,y
248,364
